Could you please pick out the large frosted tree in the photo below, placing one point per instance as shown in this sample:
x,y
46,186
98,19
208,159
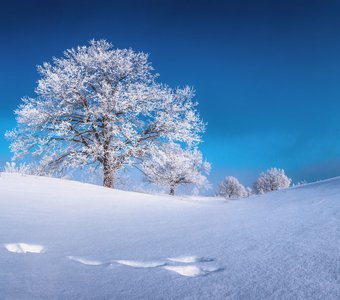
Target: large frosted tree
x,y
101,106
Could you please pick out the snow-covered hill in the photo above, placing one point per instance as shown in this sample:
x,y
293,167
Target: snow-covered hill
x,y
67,240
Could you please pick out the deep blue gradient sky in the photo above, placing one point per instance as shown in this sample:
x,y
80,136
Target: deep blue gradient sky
x,y
267,73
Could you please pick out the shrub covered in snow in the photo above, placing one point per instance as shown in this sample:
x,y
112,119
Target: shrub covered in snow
x,y
169,165
231,188
12,167
273,179
300,183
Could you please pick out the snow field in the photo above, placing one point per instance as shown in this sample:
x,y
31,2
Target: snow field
x,y
68,240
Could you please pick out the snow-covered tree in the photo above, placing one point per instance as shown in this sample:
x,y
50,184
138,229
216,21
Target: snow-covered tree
x,y
171,166
101,106
273,179
231,188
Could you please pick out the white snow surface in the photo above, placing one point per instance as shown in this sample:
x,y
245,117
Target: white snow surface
x,y
281,245
24,248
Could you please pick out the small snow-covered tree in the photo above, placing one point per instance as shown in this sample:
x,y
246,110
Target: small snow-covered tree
x,y
273,179
103,107
231,188
171,166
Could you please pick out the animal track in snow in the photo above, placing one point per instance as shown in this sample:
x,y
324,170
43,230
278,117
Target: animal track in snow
x,y
24,248
85,261
141,264
192,270
190,259
189,266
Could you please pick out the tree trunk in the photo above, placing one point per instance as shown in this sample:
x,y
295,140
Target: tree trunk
x,y
107,167
172,190
107,176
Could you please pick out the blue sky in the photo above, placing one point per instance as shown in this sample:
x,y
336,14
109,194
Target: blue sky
x,y
266,73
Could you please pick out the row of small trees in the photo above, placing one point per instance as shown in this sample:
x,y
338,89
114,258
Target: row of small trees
x,y
102,108
271,180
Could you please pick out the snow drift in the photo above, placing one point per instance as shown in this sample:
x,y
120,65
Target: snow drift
x,y
67,240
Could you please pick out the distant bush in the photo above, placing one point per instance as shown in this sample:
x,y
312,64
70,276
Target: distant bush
x,y
231,188
300,183
12,167
273,179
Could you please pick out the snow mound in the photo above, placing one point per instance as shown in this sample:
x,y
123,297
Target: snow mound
x,y
85,261
141,264
192,270
24,248
190,259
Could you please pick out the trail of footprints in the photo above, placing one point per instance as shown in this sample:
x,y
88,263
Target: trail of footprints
x,y
189,266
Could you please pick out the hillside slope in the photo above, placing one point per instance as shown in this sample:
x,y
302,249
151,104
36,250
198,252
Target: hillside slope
x,y
67,240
